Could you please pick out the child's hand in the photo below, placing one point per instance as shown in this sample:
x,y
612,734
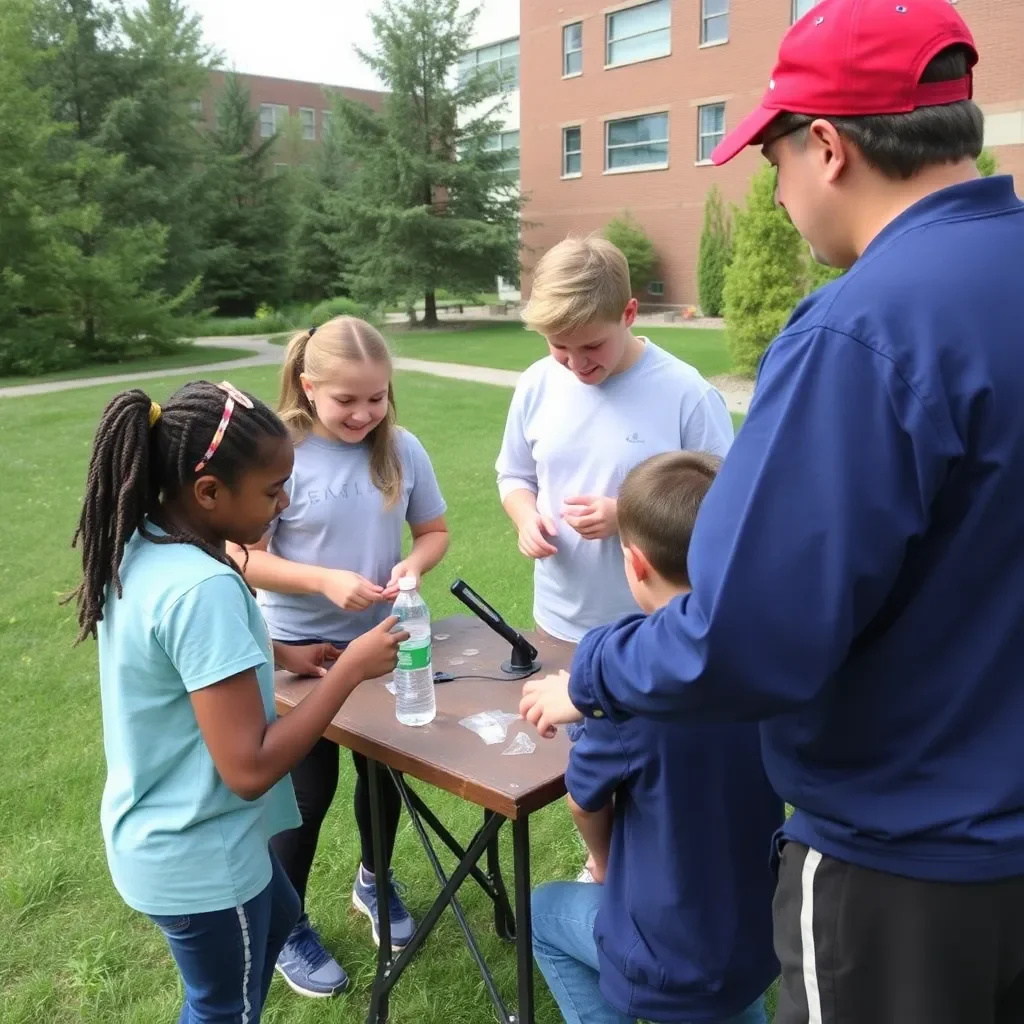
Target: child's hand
x,y
593,518
307,660
349,590
402,569
533,534
546,704
375,653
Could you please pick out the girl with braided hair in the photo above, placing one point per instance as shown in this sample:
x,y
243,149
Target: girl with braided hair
x,y
197,763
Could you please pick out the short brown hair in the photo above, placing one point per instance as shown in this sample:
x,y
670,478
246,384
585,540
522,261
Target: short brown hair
x,y
576,283
902,145
657,508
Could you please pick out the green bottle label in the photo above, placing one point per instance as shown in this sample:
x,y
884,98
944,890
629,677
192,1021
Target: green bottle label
x,y
413,656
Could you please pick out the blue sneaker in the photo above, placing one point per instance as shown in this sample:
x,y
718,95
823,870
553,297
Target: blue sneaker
x,y
307,967
364,899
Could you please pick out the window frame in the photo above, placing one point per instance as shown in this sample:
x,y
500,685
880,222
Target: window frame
x,y
637,168
312,125
703,135
503,85
608,41
502,148
568,52
566,152
657,292
275,109
706,18
794,16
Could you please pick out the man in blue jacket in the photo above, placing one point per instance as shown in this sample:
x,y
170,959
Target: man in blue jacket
x,y
858,565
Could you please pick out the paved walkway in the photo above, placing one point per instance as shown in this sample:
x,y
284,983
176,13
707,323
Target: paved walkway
x,y
735,390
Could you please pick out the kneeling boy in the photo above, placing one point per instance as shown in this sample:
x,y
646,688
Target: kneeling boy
x,y
681,928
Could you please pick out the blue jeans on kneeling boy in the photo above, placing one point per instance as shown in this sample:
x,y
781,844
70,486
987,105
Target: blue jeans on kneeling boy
x,y
566,953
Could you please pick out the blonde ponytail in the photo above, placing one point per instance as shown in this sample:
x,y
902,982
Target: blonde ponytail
x,y
294,407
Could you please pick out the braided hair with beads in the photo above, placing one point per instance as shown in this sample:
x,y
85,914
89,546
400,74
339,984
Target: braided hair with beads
x,y
143,454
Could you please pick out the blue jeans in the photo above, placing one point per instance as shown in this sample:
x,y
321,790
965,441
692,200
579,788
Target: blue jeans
x,y
566,953
226,957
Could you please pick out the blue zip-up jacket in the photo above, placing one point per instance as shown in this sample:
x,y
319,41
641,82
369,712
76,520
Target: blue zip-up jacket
x,y
858,565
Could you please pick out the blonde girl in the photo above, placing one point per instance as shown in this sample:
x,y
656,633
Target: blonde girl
x,y
328,570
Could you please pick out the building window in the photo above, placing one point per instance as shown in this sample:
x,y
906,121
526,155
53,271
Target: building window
x,y
572,152
500,60
638,33
572,49
272,118
280,169
635,143
197,108
307,119
710,129
507,143
714,21
325,123
656,288
800,8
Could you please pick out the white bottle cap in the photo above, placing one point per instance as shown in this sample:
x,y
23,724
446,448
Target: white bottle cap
x,y
407,583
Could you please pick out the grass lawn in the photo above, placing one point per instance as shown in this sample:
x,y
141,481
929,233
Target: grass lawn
x,y
508,346
69,948
188,355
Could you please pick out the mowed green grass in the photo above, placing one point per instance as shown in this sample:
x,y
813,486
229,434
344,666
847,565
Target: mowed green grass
x,y
69,948
187,355
509,346
70,951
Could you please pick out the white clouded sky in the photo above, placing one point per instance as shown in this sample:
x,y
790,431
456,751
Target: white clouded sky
x,y
310,40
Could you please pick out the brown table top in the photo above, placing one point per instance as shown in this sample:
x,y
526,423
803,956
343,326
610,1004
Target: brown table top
x,y
444,753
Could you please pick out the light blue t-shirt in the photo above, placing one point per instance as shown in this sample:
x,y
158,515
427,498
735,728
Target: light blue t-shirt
x,y
337,520
178,840
566,439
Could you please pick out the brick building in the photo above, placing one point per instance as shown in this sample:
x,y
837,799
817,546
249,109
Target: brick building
x,y
300,111
620,107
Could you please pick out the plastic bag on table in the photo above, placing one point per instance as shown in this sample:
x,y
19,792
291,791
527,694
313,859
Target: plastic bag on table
x,y
490,726
522,744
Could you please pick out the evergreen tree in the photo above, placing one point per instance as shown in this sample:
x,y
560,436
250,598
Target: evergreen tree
x,y
714,254
626,234
427,204
987,165
765,279
250,219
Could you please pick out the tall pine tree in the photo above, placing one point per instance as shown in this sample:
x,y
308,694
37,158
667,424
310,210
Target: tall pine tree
x,y
427,204
250,222
714,255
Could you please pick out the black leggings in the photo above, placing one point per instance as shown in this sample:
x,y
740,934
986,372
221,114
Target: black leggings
x,y
315,779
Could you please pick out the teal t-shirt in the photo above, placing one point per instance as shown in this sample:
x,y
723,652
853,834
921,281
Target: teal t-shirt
x,y
178,840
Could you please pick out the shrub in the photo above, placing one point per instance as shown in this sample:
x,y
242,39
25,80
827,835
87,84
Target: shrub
x,y
715,254
766,277
331,308
627,234
987,164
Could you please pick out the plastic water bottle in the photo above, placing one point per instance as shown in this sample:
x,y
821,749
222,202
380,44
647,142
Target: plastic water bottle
x,y
414,676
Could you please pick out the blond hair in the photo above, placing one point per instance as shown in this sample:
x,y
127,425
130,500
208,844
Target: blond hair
x,y
580,281
316,353
657,508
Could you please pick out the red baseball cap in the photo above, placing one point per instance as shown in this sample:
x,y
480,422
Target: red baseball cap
x,y
853,58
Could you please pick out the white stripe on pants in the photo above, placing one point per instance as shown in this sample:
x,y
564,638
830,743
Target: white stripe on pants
x,y
811,863
247,965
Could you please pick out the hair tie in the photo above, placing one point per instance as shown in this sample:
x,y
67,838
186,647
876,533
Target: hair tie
x,y
312,331
154,414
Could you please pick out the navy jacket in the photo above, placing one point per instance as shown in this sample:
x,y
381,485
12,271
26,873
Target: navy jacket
x,y
858,565
684,932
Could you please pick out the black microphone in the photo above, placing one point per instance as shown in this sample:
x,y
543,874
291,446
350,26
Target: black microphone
x,y
524,655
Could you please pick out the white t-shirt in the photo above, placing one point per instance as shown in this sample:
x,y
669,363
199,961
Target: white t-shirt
x,y
564,439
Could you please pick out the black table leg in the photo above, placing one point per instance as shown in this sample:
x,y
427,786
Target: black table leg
x,y
379,1001
524,926
504,923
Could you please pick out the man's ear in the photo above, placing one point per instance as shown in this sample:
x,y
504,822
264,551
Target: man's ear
x,y
205,490
629,316
832,149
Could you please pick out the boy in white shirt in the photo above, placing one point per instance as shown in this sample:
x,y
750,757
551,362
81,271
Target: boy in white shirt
x,y
580,419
